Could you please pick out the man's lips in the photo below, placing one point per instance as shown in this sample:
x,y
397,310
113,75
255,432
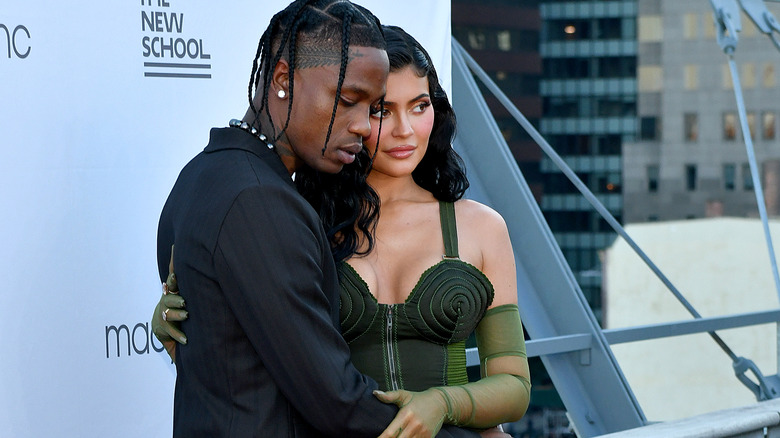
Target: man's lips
x,y
346,154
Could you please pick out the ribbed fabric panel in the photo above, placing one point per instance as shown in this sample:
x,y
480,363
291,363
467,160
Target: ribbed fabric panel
x,y
456,364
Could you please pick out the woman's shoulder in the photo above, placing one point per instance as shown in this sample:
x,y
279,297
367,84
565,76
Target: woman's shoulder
x,y
475,214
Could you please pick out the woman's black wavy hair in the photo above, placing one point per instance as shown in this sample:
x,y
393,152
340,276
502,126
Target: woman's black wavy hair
x,y
349,208
441,171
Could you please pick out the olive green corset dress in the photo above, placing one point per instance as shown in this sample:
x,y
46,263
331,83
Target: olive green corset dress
x,y
421,342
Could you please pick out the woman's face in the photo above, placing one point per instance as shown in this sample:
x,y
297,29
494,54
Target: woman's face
x,y
315,93
406,124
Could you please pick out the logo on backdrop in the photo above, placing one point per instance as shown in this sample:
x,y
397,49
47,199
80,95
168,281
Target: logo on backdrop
x,y
168,51
123,341
17,41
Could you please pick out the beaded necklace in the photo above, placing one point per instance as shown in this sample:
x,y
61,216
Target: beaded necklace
x,y
244,126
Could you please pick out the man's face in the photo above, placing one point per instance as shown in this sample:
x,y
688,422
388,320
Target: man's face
x,y
316,81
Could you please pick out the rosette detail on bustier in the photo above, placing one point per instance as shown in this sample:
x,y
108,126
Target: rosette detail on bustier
x,y
449,301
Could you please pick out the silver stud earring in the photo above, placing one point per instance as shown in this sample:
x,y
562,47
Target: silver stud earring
x,y
281,94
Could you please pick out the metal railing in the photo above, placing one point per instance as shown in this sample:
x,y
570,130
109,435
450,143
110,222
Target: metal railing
x,y
763,387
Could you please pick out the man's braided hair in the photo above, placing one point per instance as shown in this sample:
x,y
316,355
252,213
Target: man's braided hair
x,y
311,30
307,32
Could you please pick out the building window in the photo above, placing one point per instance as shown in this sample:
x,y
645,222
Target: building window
x,y
768,125
690,177
616,67
729,176
729,126
747,177
691,124
566,68
608,144
709,26
504,40
568,30
691,77
652,178
558,106
609,28
651,29
476,40
649,128
751,119
748,31
768,78
748,75
690,26
615,106
607,182
650,78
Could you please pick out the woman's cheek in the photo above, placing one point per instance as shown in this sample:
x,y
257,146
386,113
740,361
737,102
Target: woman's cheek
x,y
425,125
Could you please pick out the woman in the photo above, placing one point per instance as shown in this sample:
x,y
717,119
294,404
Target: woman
x,y
417,281
422,260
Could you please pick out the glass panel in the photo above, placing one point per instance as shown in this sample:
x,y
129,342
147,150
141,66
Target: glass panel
x,y
690,177
768,78
648,128
748,74
768,125
691,77
729,176
652,178
691,123
729,126
690,26
747,178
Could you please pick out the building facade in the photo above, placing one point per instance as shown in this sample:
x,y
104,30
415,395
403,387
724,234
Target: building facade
x,y
689,159
503,37
589,97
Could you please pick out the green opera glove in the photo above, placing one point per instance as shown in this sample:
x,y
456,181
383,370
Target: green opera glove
x,y
168,313
421,414
503,393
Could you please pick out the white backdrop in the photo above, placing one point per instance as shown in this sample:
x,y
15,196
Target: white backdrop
x,y
92,142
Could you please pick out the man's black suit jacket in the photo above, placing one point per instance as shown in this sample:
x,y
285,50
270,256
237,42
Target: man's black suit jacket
x,y
265,357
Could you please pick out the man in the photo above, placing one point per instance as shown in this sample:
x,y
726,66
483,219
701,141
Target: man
x,y
264,356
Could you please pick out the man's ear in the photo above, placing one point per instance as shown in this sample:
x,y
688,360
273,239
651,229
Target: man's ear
x,y
280,79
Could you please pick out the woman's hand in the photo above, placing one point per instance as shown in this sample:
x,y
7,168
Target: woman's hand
x,y
168,313
421,414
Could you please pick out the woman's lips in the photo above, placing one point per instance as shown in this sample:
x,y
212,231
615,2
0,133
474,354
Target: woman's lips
x,y
401,152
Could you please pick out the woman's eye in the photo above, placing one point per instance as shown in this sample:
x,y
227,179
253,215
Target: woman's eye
x,y
421,107
346,102
380,113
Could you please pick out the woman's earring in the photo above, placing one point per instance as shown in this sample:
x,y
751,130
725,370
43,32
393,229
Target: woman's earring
x,y
281,94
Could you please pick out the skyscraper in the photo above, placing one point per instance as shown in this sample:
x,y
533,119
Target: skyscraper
x,y
589,110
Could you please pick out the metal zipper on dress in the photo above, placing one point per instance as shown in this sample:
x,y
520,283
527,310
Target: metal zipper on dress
x,y
390,351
